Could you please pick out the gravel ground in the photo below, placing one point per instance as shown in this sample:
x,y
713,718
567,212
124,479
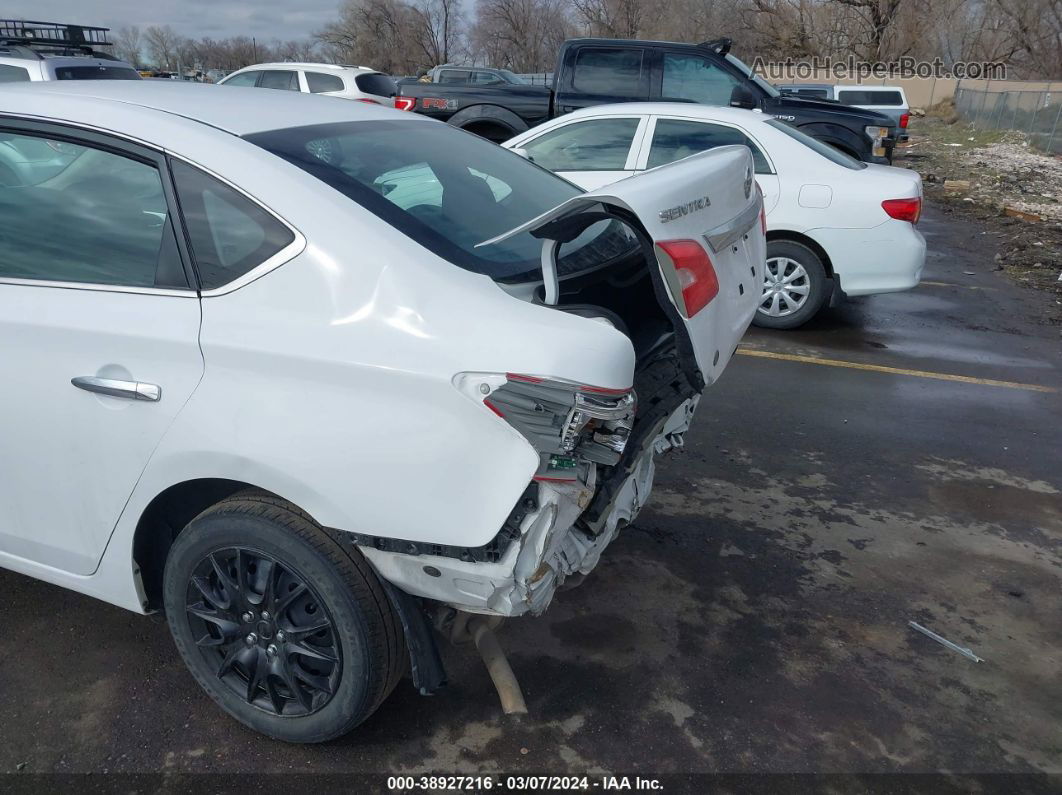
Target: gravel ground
x,y
1003,172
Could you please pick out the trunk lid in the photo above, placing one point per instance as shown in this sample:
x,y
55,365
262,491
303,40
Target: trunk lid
x,y
708,203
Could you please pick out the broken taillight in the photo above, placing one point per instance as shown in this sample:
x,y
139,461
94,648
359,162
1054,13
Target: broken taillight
x,y
903,209
697,280
405,103
567,423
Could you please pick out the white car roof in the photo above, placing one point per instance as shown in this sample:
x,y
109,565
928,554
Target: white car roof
x,y
306,65
688,109
238,110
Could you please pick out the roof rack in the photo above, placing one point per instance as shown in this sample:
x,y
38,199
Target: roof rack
x,y
55,37
718,46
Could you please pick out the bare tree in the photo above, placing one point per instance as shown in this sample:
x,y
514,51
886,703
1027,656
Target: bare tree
x,y
523,35
127,45
162,45
620,19
375,33
439,29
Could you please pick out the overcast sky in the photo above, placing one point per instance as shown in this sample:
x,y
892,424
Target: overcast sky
x,y
263,19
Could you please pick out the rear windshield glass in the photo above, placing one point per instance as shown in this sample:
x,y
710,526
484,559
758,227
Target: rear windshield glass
x,y
448,190
824,149
381,85
892,98
95,73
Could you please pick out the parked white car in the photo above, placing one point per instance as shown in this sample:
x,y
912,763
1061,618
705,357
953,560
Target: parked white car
x,y
311,376
346,82
835,226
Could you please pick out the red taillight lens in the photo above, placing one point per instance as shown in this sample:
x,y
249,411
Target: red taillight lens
x,y
405,103
696,275
903,209
904,118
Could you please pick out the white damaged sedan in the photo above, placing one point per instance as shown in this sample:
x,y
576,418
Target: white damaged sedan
x,y
321,380
835,226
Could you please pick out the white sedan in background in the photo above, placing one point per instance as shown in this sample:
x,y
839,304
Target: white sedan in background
x,y
835,226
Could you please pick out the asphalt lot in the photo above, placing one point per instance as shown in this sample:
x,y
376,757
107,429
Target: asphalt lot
x,y
755,617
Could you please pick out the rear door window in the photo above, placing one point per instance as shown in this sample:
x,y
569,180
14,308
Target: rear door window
x,y
320,83
455,76
74,213
695,78
279,79
592,145
609,71
674,139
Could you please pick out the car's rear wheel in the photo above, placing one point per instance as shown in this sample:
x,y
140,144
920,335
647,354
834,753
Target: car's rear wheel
x,y
286,629
794,286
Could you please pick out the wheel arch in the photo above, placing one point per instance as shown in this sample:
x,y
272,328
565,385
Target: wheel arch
x,y
804,240
478,119
168,513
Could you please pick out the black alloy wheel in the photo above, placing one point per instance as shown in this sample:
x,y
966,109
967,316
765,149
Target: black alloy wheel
x,y
265,630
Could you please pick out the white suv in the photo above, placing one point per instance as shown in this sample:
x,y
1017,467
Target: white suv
x,y
347,82
317,379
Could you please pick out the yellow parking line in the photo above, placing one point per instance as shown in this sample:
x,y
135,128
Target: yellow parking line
x,y
960,286
878,368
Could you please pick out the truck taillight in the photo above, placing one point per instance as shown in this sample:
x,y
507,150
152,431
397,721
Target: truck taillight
x,y
904,119
903,209
696,279
405,103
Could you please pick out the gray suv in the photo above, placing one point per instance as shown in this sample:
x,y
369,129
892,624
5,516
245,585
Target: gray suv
x,y
32,51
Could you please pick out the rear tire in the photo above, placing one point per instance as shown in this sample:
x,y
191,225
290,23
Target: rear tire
x,y
795,286
287,629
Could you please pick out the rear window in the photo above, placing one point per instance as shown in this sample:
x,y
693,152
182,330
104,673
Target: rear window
x,y
319,82
447,190
380,85
612,72
824,149
893,98
96,73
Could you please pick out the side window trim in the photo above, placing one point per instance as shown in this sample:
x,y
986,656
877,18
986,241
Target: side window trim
x,y
125,148
286,254
647,141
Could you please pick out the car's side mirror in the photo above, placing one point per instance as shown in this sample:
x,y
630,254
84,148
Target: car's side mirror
x,y
523,153
742,97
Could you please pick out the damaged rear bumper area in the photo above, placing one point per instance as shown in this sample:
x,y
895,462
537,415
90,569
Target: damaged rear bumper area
x,y
560,526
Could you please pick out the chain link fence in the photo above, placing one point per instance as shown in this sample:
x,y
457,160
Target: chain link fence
x,y
1035,113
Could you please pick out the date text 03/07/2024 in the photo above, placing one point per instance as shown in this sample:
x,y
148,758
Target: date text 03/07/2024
x,y
521,783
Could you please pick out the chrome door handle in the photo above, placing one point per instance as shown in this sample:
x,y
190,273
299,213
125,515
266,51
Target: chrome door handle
x,y
134,390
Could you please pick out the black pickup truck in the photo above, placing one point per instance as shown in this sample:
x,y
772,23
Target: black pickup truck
x,y
600,71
